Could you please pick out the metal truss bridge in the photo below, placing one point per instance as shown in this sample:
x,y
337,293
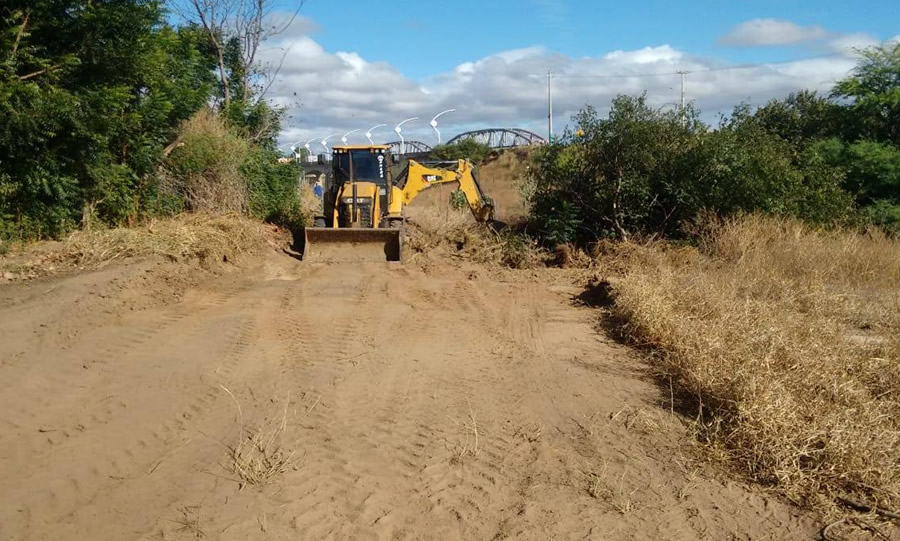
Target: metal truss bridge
x,y
501,137
409,147
493,137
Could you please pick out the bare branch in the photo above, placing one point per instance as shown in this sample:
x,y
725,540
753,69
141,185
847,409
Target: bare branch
x,y
21,31
39,72
272,75
278,30
250,23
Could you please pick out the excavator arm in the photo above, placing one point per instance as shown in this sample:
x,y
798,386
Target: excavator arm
x,y
419,177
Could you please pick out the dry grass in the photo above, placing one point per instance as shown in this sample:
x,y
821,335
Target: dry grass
x,y
789,341
469,447
260,457
455,233
188,236
637,419
189,523
310,205
205,168
613,492
261,454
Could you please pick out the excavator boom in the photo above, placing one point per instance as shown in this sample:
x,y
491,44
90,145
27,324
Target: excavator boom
x,y
419,177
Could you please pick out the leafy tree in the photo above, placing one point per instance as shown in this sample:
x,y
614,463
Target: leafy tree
x,y
872,172
617,176
746,168
469,149
91,94
801,117
641,170
873,169
884,213
872,93
274,188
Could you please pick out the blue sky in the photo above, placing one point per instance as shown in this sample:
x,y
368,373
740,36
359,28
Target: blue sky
x,y
353,64
425,38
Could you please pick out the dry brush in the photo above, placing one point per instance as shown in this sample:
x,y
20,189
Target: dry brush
x,y
788,339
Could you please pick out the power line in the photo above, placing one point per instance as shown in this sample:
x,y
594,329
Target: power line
x,y
698,70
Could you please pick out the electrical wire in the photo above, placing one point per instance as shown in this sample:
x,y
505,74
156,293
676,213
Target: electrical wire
x,y
699,70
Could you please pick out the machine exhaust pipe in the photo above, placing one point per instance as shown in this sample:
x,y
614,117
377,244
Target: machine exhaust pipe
x,y
354,216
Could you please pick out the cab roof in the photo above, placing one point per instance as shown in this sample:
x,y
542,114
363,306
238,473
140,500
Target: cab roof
x,y
362,147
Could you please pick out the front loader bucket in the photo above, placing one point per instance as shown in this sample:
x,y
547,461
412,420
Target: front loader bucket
x,y
351,245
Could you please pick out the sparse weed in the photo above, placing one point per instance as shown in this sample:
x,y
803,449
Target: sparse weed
x,y
260,455
458,200
596,487
615,493
310,205
469,447
692,476
635,418
530,433
189,522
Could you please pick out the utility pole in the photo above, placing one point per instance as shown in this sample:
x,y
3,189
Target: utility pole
x,y
683,118
549,108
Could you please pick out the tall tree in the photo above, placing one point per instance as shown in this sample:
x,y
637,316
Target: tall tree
x,y
873,93
91,92
236,29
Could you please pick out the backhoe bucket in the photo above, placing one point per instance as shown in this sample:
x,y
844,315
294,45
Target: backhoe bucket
x,y
351,245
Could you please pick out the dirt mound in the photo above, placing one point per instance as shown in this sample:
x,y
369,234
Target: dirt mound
x,y
442,234
501,176
207,239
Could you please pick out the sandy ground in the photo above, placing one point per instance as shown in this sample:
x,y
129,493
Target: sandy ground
x,y
390,402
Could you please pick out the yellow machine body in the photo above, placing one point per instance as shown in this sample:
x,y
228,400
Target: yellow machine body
x,y
418,177
363,207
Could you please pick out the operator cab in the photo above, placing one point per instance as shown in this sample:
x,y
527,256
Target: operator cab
x,y
359,164
362,164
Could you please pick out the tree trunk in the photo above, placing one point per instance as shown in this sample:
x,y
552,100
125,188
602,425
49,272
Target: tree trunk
x,y
617,215
220,54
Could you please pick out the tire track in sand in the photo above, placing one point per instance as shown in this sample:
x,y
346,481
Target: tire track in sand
x,y
75,476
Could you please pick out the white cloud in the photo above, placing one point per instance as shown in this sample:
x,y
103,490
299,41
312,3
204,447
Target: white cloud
x,y
849,42
766,32
647,55
341,91
353,60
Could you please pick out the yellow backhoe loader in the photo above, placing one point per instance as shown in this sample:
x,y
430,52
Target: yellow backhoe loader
x,y
363,205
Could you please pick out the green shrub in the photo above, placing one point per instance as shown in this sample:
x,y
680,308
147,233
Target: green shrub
x,y
274,189
467,149
651,172
885,214
88,102
458,200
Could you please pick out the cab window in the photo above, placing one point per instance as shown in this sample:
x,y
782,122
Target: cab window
x,y
368,166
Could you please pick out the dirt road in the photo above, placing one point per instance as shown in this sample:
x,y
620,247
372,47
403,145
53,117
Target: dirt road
x,y
387,402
